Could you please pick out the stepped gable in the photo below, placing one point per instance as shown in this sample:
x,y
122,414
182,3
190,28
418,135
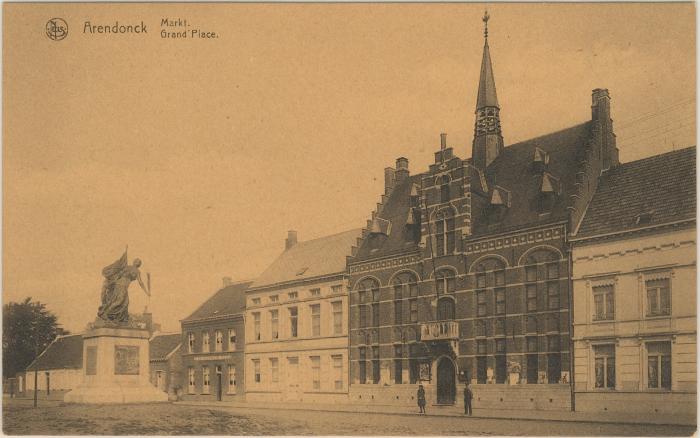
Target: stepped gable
x,y
652,191
65,352
227,301
395,210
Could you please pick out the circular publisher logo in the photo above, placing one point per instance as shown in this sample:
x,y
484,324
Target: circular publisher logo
x,y
56,29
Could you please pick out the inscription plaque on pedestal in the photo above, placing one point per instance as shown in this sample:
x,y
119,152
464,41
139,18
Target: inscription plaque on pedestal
x,y
126,359
91,361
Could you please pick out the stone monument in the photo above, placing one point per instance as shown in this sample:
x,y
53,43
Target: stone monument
x,y
115,346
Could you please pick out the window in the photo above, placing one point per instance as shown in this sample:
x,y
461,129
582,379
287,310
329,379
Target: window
x,y
205,342
375,314
205,380
231,379
604,366
553,270
500,301
405,286
499,278
337,309
500,361
218,340
481,346
532,359
553,295
398,312
531,273
316,373
445,235
293,316
190,380
445,282
231,339
553,359
445,309
274,369
190,342
315,292
315,320
658,297
398,371
481,280
413,372
480,328
293,295
604,302
363,365
531,291
481,303
336,289
363,316
375,365
413,304
275,323
481,375
337,372
659,365
445,189
256,301
159,379
256,326
274,298
256,368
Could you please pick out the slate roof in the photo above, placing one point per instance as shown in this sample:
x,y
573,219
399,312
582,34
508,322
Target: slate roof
x,y
227,301
396,211
65,352
513,171
161,345
309,259
662,185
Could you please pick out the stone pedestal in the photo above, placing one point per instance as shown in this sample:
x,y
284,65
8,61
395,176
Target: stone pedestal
x,y
115,368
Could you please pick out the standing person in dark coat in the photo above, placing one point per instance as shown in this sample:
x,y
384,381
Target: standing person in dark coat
x,y
468,395
421,398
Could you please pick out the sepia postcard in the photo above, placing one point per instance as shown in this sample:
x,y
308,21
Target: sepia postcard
x,y
368,219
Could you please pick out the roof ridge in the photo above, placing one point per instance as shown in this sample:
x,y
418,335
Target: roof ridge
x,y
529,140
656,156
353,230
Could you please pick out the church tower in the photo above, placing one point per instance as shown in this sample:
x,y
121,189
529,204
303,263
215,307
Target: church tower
x,y
488,141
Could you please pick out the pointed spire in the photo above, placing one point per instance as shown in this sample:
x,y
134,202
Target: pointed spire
x,y
487,85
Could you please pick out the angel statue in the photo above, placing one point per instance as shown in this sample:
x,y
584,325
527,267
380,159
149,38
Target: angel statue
x,y
115,290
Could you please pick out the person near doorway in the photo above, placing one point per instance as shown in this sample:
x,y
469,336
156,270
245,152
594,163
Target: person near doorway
x,y
421,398
468,395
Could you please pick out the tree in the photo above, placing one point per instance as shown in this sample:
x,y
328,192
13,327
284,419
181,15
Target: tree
x,y
27,329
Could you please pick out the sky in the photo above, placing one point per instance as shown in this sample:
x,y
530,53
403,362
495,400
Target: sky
x,y
200,154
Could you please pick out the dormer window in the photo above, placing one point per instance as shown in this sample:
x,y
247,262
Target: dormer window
x,y
540,160
414,196
413,226
445,189
499,203
549,189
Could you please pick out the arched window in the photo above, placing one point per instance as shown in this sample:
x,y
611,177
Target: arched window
x,y
445,189
446,309
542,281
444,234
444,281
368,292
405,287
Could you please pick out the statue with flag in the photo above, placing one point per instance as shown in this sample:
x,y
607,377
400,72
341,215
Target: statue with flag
x,y
115,289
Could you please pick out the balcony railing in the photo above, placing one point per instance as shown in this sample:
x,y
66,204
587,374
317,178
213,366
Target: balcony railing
x,y
438,331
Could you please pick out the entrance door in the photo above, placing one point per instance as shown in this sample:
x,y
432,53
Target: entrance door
x,y
293,389
446,382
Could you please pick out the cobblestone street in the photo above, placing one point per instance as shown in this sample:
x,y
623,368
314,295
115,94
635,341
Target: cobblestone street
x,y
57,418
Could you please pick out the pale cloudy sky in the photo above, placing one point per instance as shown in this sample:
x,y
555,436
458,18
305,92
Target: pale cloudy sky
x,y
201,154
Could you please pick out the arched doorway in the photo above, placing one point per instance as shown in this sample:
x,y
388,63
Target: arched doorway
x,y
445,381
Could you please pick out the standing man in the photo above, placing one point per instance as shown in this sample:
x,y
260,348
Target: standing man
x,y
467,399
421,398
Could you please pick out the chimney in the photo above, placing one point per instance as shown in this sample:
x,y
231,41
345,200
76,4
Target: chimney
x,y
228,281
291,239
389,180
600,113
401,169
443,141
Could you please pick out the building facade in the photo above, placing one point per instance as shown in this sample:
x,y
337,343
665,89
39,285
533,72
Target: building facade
x,y
213,341
59,368
166,363
297,323
463,272
635,329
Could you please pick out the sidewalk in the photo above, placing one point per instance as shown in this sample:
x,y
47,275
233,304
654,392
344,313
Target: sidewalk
x,y
457,411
